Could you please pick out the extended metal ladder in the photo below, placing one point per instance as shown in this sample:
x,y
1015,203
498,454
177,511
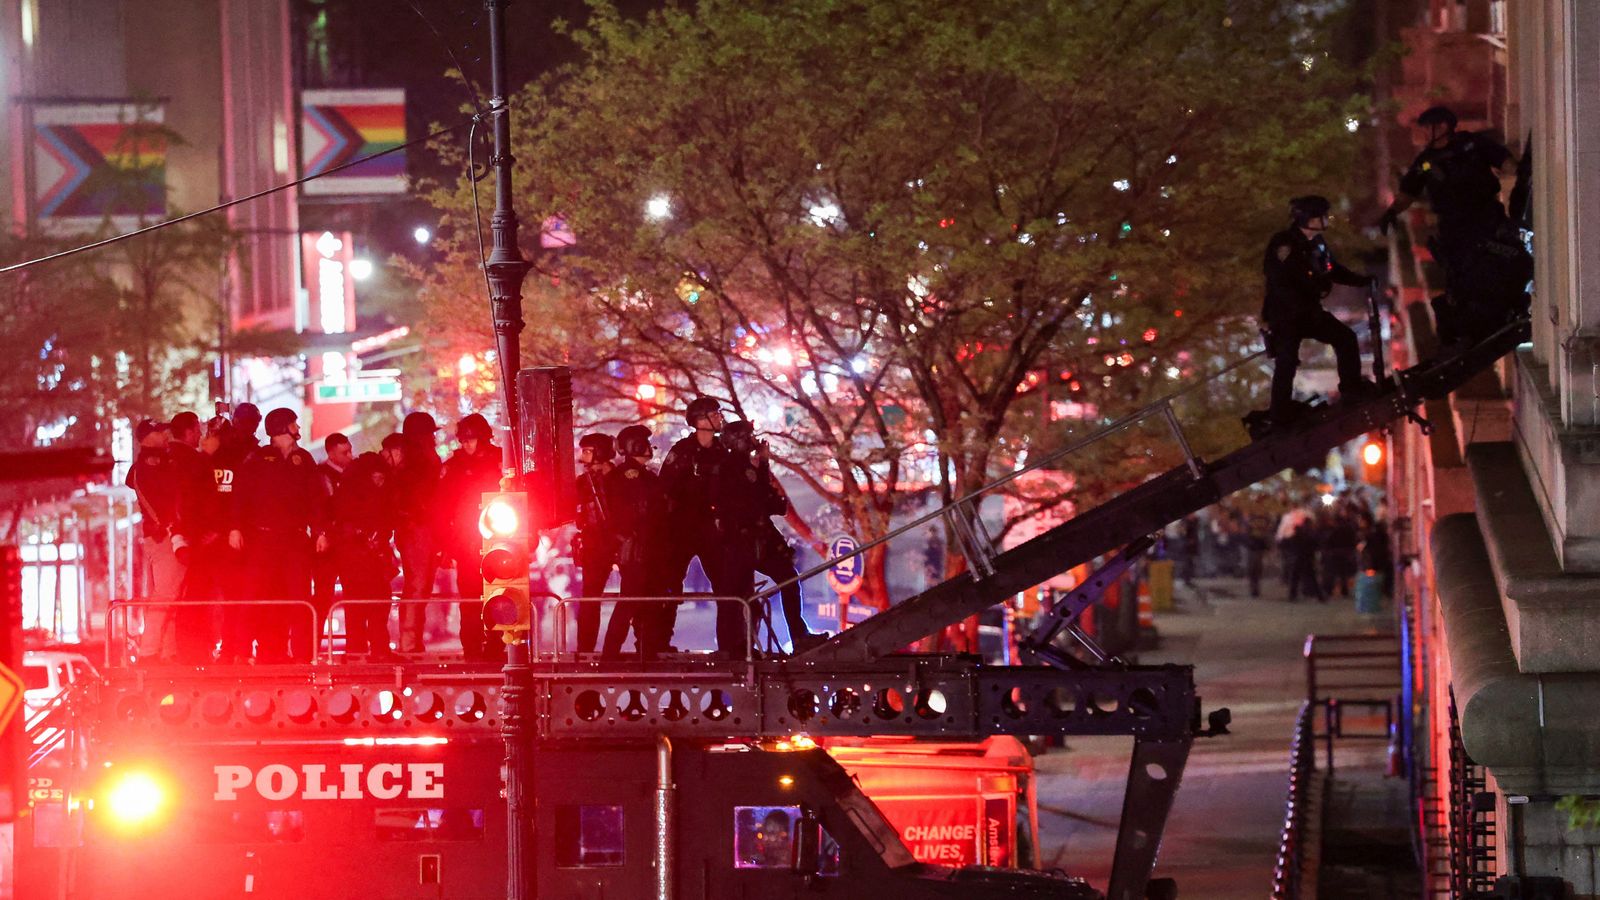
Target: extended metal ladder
x,y
1195,484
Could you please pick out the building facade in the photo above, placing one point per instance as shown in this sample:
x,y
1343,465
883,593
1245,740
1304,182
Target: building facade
x,y
1500,503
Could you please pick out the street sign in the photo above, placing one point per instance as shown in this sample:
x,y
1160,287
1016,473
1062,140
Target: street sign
x,y
845,576
359,390
10,695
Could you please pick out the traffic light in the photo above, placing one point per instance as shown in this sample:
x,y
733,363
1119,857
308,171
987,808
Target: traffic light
x,y
504,563
1372,468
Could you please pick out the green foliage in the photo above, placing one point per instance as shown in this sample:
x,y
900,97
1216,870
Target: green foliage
x,y
1582,811
965,200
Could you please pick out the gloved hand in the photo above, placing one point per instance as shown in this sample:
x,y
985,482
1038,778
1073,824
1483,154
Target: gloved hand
x,y
1388,220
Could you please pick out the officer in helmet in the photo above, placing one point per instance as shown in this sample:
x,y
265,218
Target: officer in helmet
x,y
687,474
468,474
639,520
416,533
1300,271
596,550
747,495
281,515
1457,173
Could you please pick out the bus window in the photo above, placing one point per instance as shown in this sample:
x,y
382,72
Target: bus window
x,y
589,836
429,824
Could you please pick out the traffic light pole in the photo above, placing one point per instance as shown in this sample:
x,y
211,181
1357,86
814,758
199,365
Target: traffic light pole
x,y
505,268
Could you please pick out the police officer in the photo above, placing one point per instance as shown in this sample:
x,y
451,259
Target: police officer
x,y
363,523
1457,173
416,484
246,419
756,501
156,482
468,474
639,519
206,517
281,506
686,477
597,546
1300,271
325,567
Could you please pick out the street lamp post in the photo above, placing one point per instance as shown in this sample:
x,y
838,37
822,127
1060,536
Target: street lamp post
x,y
505,268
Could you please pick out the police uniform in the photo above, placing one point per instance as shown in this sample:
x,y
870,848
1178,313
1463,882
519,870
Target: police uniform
x,y
1300,272
281,507
216,572
324,566
596,554
157,481
416,487
687,474
638,508
1486,268
363,523
463,481
1461,187
744,500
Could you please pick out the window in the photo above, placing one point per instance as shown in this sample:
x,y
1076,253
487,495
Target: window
x,y
432,824
35,678
260,826
589,836
764,838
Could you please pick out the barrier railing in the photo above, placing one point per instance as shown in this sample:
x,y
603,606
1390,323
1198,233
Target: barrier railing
x,y
1352,671
328,652
1288,871
117,620
746,604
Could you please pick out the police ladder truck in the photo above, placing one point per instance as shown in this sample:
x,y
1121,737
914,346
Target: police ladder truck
x,y
677,778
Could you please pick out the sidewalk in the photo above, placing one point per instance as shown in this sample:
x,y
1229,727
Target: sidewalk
x,y
1222,837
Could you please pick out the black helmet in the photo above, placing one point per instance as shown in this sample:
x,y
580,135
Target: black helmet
x,y
1311,206
279,420
247,416
739,436
473,426
634,441
419,424
599,444
699,407
1437,115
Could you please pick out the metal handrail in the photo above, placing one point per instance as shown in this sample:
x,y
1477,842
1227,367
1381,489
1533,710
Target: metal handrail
x,y
1289,868
1161,406
745,605
114,641
37,720
533,611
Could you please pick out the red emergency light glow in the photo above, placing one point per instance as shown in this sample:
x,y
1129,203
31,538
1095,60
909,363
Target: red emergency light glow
x,y
135,799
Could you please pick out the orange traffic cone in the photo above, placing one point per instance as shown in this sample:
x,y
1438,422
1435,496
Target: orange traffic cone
x,y
1147,608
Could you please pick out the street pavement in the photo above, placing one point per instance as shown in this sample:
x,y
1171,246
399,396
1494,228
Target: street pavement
x,y
1222,837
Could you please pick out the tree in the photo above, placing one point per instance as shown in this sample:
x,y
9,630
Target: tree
x,y
882,228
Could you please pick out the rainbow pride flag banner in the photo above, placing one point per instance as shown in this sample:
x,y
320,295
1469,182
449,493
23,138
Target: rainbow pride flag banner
x,y
338,126
94,163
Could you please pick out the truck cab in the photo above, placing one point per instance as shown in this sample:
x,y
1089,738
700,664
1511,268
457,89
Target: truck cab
x,y
749,821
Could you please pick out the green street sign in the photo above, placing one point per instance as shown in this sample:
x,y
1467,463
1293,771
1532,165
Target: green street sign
x,y
361,390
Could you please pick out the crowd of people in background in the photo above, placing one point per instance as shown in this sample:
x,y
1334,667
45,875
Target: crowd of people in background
x,y
1321,548
246,527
